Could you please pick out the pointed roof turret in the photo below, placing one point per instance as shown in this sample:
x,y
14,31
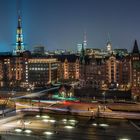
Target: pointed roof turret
x,y
19,37
135,48
82,56
19,20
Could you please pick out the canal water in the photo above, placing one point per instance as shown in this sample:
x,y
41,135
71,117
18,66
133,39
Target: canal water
x,y
64,127
85,128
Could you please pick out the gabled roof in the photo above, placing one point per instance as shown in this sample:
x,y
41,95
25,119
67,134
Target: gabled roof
x,y
70,58
135,48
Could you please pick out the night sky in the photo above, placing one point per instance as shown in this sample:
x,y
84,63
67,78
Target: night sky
x,y
60,24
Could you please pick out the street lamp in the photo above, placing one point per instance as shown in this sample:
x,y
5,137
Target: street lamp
x,y
92,114
104,98
117,85
29,92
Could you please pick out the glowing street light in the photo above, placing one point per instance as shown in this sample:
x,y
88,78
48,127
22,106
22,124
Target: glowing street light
x,y
124,139
48,133
69,127
37,116
28,131
104,125
18,130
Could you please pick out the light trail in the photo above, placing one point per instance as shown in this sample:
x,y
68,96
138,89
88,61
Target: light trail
x,y
35,94
47,101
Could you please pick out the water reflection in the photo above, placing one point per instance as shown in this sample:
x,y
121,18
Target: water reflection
x,y
73,127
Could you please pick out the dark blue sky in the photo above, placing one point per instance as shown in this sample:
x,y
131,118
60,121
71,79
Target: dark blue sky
x,y
60,24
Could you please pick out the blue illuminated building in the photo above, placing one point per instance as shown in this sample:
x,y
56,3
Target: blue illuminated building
x,y
19,39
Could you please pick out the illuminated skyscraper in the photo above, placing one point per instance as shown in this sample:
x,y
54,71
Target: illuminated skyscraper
x,y
85,41
79,48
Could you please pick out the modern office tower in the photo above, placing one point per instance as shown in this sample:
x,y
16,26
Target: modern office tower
x,y
135,71
85,41
42,71
79,48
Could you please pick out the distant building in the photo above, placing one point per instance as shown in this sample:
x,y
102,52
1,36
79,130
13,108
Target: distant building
x,y
85,41
79,48
120,52
109,47
39,50
94,52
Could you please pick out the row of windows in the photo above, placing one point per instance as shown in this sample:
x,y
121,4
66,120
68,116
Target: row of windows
x,y
135,58
39,65
42,69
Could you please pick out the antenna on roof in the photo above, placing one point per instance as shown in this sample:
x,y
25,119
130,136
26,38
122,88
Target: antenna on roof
x,y
85,40
108,37
18,7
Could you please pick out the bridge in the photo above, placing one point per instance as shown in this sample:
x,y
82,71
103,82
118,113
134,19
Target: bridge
x,y
36,94
10,97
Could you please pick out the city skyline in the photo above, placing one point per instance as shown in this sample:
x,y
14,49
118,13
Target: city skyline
x,y
61,24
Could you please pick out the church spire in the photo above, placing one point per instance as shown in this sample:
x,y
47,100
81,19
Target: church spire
x,y
135,48
19,20
19,36
109,44
82,56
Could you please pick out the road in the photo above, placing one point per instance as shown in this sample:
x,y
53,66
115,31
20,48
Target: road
x,y
74,108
